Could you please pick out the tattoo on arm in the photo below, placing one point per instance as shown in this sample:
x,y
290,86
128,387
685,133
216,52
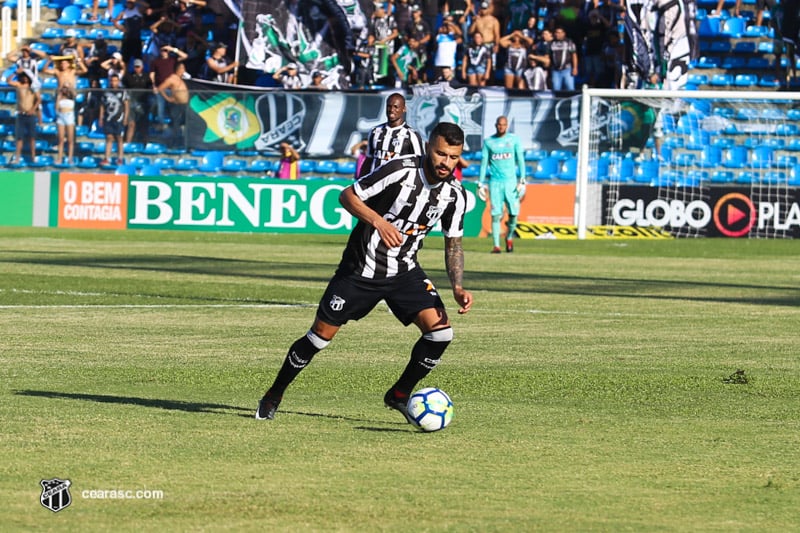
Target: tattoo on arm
x,y
454,261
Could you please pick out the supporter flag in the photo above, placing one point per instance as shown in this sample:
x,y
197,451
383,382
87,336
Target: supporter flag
x,y
223,119
314,34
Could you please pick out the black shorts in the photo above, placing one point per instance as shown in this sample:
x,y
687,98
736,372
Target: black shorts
x,y
351,297
114,129
25,127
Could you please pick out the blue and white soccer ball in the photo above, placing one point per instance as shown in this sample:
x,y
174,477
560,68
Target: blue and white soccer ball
x,y
430,409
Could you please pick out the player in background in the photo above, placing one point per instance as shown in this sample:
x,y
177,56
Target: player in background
x,y
502,155
396,206
393,138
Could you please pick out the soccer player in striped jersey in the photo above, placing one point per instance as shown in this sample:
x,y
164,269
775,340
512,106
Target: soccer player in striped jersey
x,y
396,205
394,138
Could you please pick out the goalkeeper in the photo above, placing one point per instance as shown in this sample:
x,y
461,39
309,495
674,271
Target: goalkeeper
x,y
502,154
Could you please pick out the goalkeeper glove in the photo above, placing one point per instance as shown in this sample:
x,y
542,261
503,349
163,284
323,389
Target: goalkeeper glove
x,y
521,189
483,192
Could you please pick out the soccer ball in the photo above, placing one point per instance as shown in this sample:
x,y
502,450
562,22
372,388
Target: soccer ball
x,y
430,409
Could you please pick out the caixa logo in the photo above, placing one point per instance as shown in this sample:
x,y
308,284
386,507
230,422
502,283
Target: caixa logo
x,y
661,213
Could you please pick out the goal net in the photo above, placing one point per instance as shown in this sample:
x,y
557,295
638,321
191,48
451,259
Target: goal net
x,y
691,163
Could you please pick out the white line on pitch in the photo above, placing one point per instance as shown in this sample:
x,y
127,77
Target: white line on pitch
x,y
158,306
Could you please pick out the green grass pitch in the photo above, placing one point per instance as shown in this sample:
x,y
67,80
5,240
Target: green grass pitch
x,y
595,388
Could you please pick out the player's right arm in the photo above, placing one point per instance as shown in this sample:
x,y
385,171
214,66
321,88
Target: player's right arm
x,y
354,205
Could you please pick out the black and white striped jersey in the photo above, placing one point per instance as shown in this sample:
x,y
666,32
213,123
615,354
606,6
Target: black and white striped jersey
x,y
386,143
401,193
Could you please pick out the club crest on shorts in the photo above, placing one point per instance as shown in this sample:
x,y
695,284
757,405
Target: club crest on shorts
x,y
337,303
55,494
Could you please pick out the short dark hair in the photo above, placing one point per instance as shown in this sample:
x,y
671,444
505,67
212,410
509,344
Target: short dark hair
x,y
451,133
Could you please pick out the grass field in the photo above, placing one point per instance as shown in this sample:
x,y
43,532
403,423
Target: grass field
x,y
590,382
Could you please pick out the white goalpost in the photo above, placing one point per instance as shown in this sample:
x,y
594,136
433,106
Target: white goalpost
x,y
690,163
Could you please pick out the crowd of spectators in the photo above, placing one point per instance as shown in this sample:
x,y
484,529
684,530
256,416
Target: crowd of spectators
x,y
516,44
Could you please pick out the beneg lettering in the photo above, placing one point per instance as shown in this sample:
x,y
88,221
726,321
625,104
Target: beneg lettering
x,y
226,204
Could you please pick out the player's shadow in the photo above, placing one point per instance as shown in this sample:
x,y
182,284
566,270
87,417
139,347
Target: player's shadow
x,y
172,405
189,407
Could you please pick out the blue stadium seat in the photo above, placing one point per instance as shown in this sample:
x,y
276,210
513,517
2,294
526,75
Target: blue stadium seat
x,y
683,159
708,62
154,148
53,32
744,47
786,129
307,166
735,157
696,177
234,165
721,80
150,170
41,161
471,172
745,80
647,171
769,80
547,168
722,142
125,169
262,166
211,161
346,168
746,177
755,31
326,166
773,113
762,156
774,177
766,47
776,143
530,155
698,140
70,15
473,155
87,162
709,27
748,114
794,176
133,148
721,47
139,161
166,163
733,62
186,164
793,144
698,79
568,170
722,176
786,161
757,63
689,123
562,155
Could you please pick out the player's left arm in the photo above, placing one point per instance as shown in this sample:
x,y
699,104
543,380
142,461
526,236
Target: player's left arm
x,y
520,157
454,263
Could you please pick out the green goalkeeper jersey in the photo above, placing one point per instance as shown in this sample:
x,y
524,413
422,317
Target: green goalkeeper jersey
x,y
502,156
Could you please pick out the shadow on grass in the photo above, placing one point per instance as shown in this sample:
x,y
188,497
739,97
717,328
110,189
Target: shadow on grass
x,y
534,283
340,417
171,405
191,407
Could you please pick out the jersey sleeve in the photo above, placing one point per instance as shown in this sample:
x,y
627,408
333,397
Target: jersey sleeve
x,y
453,219
385,175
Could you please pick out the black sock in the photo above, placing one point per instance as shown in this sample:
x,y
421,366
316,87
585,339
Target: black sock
x,y
298,357
424,357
